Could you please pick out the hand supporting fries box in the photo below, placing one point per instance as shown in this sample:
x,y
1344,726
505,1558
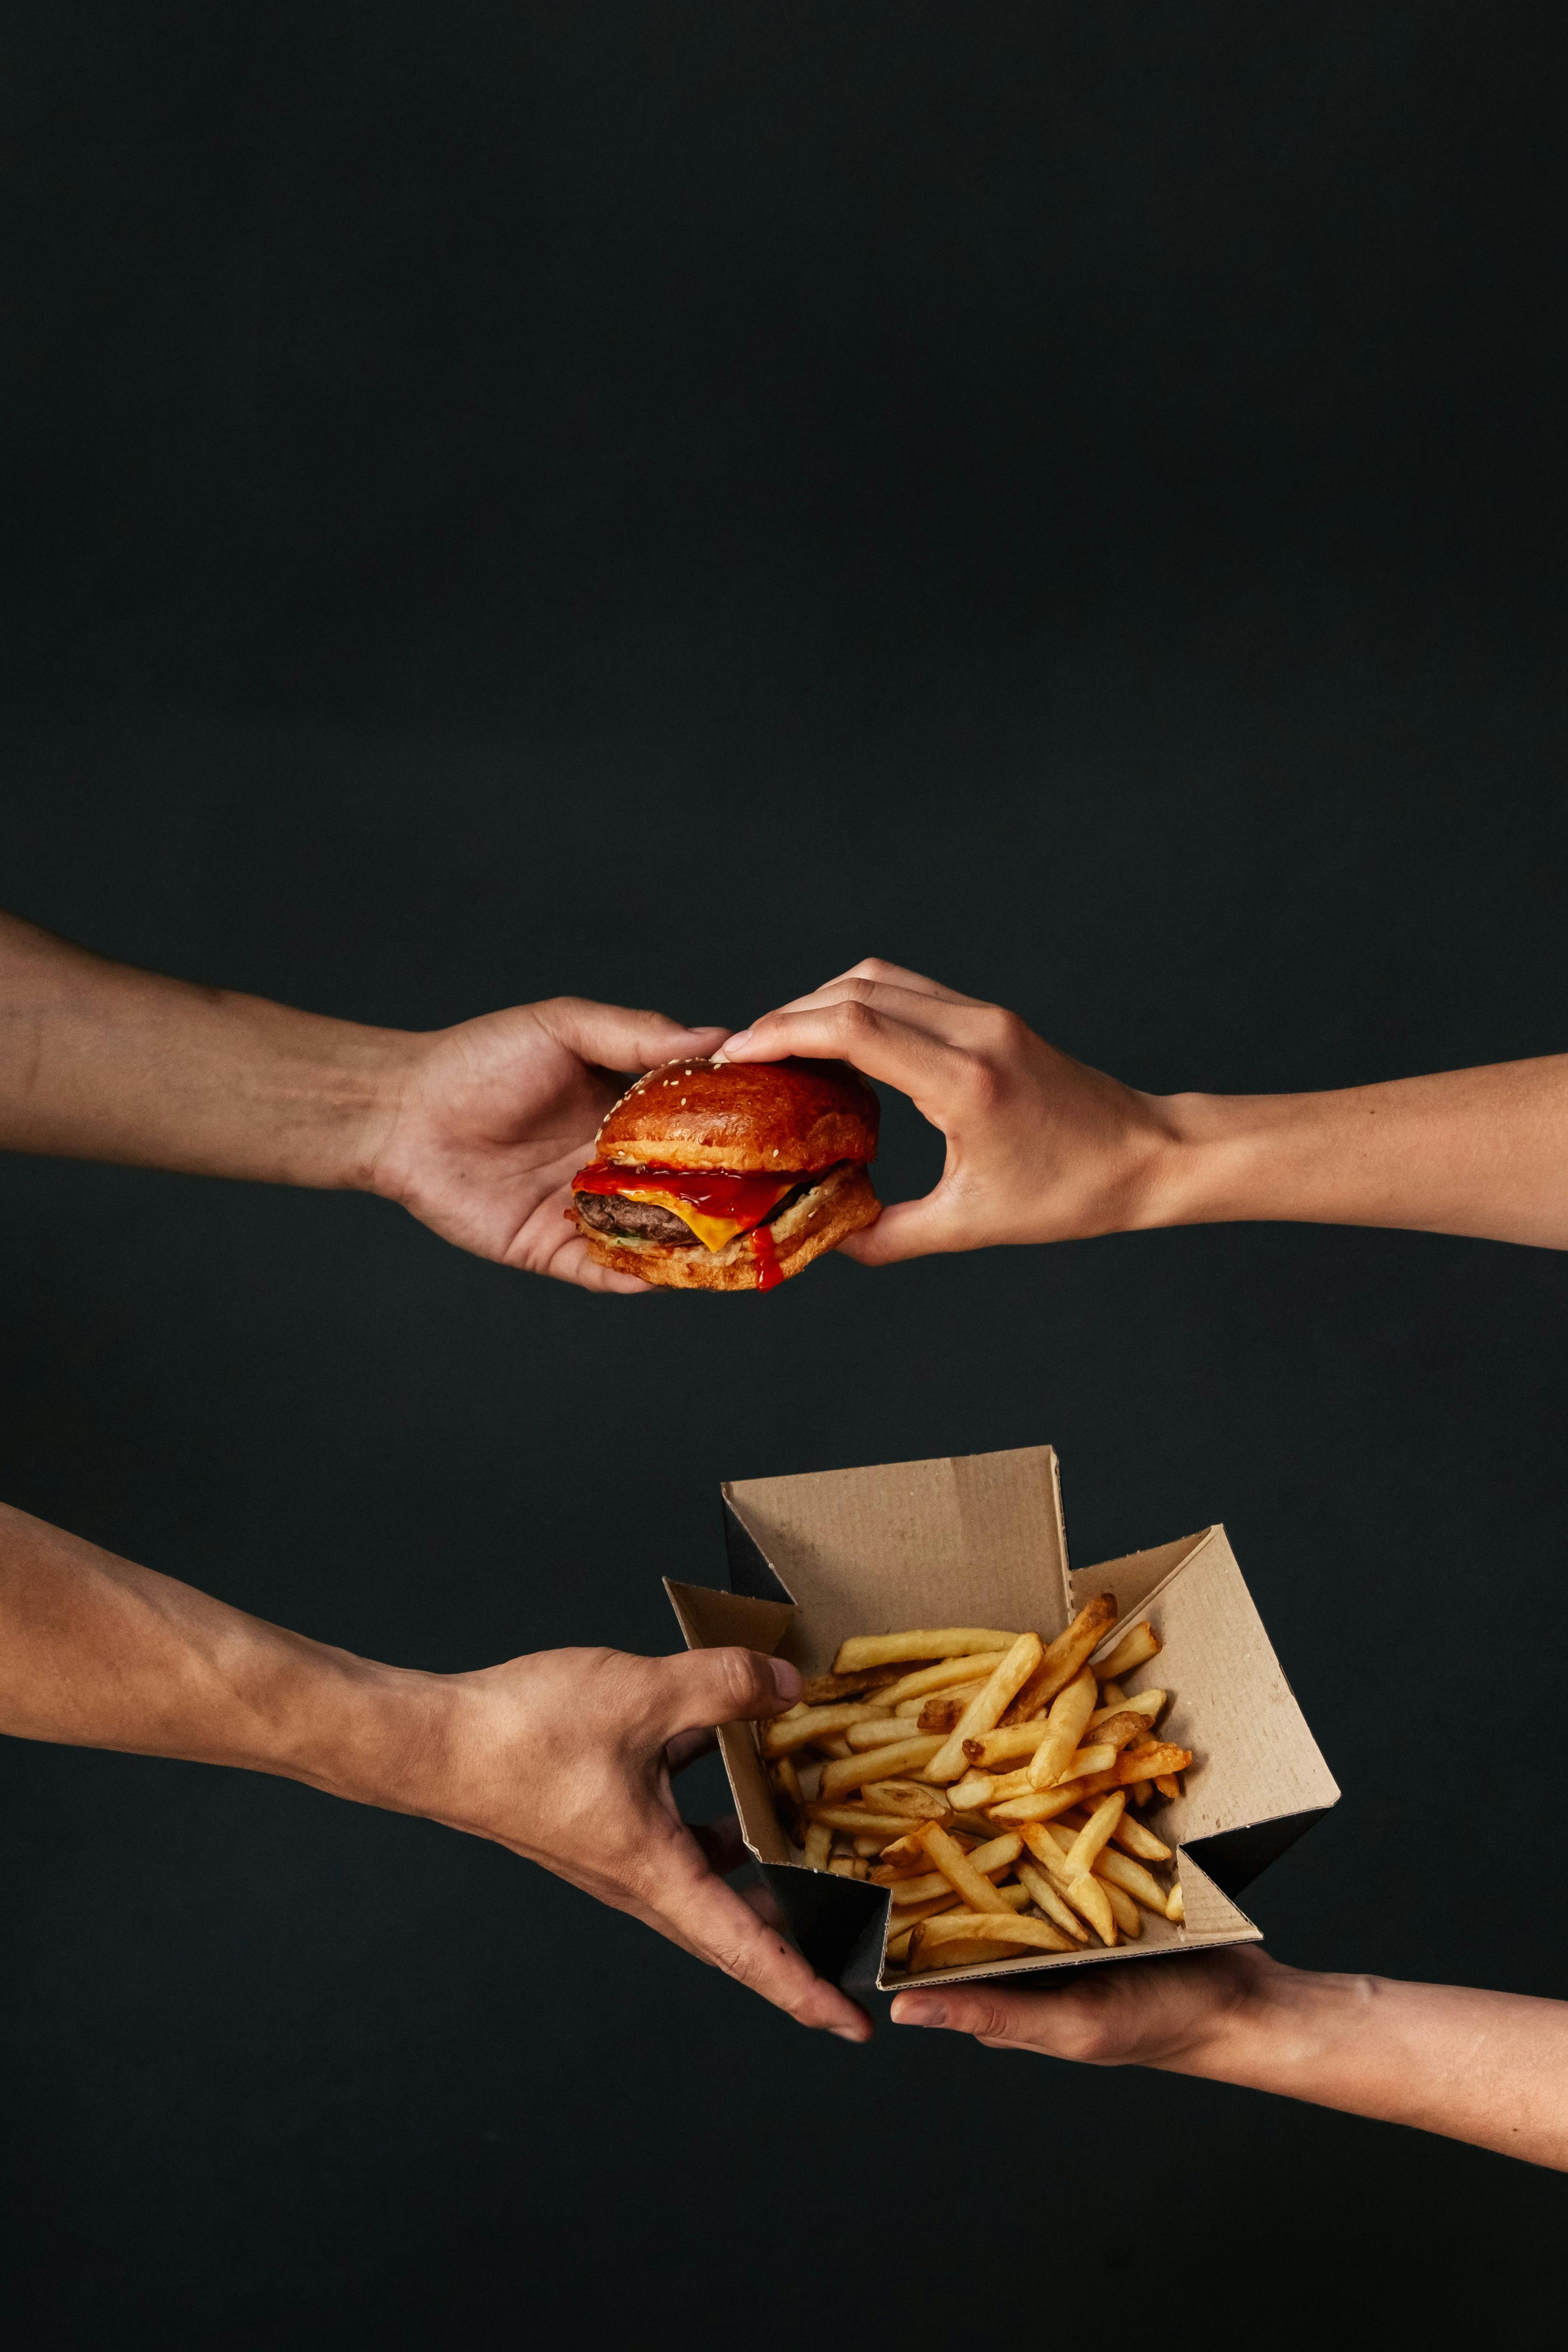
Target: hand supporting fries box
x,y
998,1765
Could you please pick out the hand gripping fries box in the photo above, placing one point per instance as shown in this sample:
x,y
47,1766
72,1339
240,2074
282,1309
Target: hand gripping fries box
x,y
978,1539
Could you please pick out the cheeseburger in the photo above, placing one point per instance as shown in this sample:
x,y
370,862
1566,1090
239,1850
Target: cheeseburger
x,y
719,1176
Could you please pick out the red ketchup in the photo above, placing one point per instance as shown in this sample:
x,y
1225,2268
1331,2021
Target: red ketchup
x,y
712,1191
770,1273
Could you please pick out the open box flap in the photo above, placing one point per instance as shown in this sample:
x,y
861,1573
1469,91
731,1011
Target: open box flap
x,y
1256,1760
968,1539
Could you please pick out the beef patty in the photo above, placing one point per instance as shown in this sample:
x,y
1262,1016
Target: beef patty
x,y
645,1221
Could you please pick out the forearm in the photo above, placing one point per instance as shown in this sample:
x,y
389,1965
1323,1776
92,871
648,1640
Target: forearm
x,y
98,1652
1487,2067
99,1061
1481,1152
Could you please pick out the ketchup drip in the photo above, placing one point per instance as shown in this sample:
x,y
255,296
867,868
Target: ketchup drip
x,y
770,1273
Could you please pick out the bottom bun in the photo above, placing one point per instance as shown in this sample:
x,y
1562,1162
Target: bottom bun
x,y
824,1215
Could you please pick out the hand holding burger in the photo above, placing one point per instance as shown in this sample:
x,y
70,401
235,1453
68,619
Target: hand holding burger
x,y
709,1176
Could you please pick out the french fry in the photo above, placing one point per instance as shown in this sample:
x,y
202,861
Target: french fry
x,y
1085,1894
939,1714
900,1758
1013,1812
1156,1764
1111,1693
973,1826
1123,1910
858,1820
1071,1711
1085,1762
1061,1661
1174,1907
959,1927
790,1794
1132,1879
833,1744
901,1925
968,1954
1136,1647
946,1675
995,1749
1116,1730
959,1870
846,1865
1096,1830
817,1844
823,1690
905,1858
976,1789
1039,1885
985,1709
864,1650
988,1860
1144,1703
1140,1791
1135,1839
914,1798
863,1736
1167,1783
787,1732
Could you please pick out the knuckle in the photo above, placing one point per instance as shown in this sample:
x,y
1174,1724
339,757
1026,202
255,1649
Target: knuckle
x,y
854,1018
1080,2031
984,1085
738,1677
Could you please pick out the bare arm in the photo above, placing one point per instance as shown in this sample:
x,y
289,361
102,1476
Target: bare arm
x,y
1487,2067
1040,1148
565,1757
475,1129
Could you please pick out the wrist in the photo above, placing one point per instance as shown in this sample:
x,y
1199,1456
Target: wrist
x,y
1207,1163
380,1735
353,1101
1271,2034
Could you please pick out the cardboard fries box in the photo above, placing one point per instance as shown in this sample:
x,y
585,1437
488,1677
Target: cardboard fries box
x,y
978,1539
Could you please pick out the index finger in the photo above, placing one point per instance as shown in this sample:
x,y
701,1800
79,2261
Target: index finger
x,y
894,976
873,1041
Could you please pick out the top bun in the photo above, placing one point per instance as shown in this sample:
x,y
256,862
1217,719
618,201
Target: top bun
x,y
755,1118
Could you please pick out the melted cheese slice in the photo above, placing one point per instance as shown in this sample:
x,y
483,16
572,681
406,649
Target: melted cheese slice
x,y
713,1232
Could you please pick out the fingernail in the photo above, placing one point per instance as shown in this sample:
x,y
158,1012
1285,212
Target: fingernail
x,y
740,1037
786,1679
848,2033
908,2011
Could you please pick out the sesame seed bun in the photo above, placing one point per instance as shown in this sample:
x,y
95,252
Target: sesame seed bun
x,y
751,1118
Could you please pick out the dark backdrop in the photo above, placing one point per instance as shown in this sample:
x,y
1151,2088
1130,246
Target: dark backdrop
x,y
659,501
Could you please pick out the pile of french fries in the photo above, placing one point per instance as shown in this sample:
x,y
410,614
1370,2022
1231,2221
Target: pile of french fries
x,y
993,1782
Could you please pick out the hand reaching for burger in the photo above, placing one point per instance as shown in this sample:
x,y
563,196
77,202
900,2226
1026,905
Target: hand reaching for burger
x,y
1042,1148
1039,1147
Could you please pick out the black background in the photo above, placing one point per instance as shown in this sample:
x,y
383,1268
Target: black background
x,y
658,502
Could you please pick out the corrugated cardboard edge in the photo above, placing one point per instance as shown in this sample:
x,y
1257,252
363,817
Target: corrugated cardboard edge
x,y
841,1924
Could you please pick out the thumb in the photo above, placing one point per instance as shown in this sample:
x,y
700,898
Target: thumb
x,y
729,1685
614,1037
906,1229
